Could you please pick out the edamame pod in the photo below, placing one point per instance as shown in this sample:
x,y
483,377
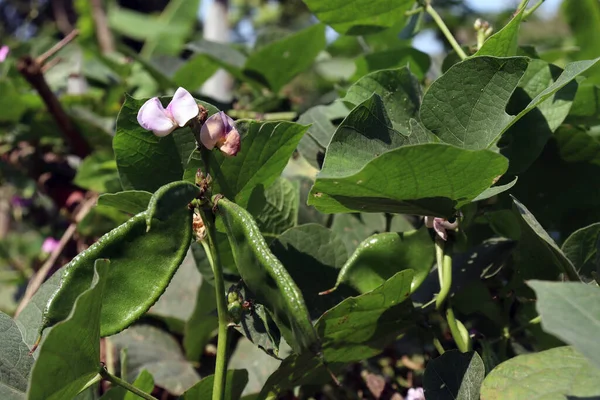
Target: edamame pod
x,y
267,278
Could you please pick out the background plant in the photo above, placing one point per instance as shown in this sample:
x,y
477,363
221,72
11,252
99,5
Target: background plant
x,y
389,222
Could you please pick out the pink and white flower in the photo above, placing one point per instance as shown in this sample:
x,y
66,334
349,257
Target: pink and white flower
x,y
440,225
49,245
219,131
162,121
4,50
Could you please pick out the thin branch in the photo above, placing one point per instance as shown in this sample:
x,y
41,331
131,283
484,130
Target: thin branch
x,y
103,33
39,278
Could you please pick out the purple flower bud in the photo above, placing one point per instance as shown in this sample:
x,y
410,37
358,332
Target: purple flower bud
x,y
162,121
440,225
219,130
415,394
49,245
4,50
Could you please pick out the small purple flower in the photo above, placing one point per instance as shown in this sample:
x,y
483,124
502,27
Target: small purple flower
x,y
21,202
219,130
4,50
440,225
162,121
49,245
415,394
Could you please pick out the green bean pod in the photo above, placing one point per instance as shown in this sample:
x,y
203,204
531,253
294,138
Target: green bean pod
x,y
267,278
141,266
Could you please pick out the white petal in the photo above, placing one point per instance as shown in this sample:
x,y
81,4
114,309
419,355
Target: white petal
x,y
213,130
153,117
183,107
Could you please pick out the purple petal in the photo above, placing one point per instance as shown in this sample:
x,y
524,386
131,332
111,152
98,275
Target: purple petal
x,y
213,130
183,107
49,245
438,227
4,53
153,117
232,143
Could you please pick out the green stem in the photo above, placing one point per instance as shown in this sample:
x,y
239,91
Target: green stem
x,y
532,9
438,346
212,254
458,332
126,385
444,271
440,23
413,11
480,38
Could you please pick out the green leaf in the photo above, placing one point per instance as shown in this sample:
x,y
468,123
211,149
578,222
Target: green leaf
x,y
275,208
583,17
144,382
538,251
576,144
586,105
15,363
417,61
466,106
505,42
265,150
142,264
258,327
145,161
98,172
180,16
130,201
381,256
236,382
361,327
312,250
426,179
158,352
357,17
11,104
560,373
495,190
400,94
195,71
277,63
582,249
69,356
523,142
475,117
571,312
220,54
454,376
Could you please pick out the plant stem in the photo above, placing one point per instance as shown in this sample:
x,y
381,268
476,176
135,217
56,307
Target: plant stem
x,y
126,385
459,333
413,11
444,271
212,254
440,23
438,346
532,9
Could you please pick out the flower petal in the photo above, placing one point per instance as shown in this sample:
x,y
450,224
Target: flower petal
x,y
213,130
153,117
438,227
232,143
183,107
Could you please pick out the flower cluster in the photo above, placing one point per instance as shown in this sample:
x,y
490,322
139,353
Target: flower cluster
x,y
217,131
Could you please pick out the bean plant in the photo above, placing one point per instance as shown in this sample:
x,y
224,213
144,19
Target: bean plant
x,y
377,241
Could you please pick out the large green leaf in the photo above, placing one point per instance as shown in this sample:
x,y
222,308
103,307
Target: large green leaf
x,y
586,105
557,374
454,376
381,256
15,362
312,250
360,327
69,356
577,144
142,264
158,352
505,43
571,312
400,94
195,71
474,117
582,249
265,150
144,382
277,63
426,179
275,208
235,383
359,17
540,257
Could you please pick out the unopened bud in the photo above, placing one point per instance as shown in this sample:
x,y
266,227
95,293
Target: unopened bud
x,y
478,23
198,227
219,131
